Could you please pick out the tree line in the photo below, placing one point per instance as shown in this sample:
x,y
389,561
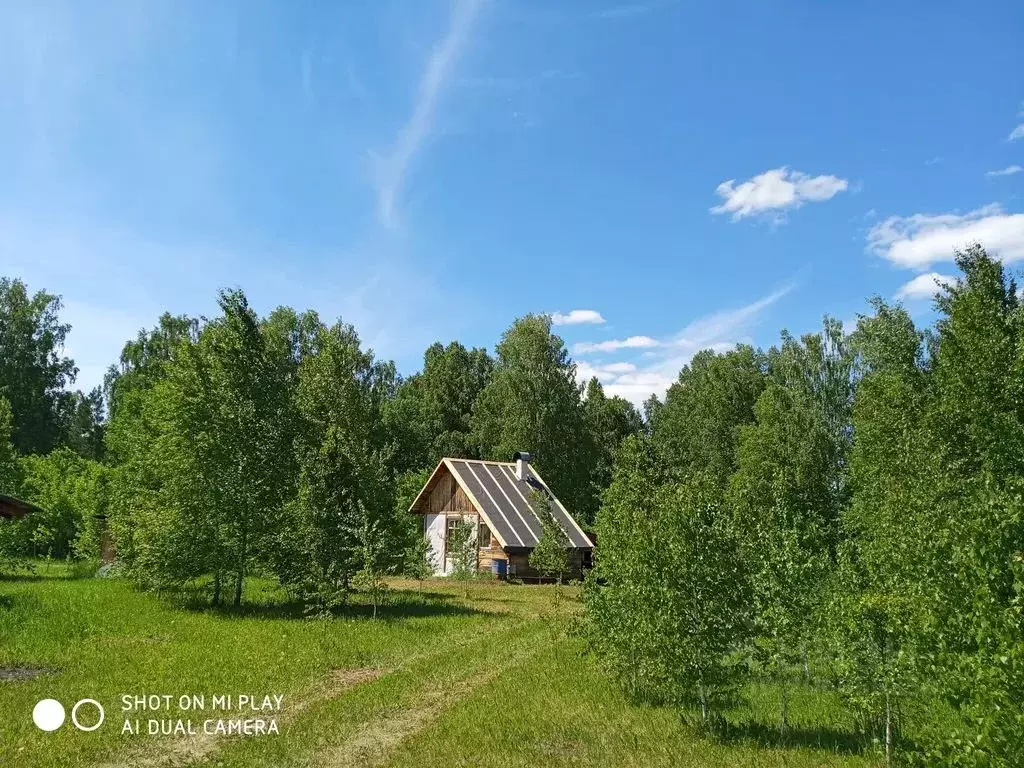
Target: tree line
x,y
844,510
278,445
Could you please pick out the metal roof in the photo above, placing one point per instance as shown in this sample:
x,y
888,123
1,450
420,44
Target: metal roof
x,y
505,502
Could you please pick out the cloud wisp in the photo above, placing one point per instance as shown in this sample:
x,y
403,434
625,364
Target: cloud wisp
x,y
392,170
577,317
924,286
1009,170
922,239
613,345
660,363
774,192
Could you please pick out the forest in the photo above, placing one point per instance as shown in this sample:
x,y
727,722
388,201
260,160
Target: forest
x,y
843,509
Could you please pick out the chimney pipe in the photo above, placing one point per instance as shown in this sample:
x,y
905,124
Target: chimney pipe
x,y
522,464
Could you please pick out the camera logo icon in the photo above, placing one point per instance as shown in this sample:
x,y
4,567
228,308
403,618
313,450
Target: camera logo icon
x,y
49,715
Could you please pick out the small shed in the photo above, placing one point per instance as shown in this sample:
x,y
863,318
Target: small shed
x,y
13,508
498,498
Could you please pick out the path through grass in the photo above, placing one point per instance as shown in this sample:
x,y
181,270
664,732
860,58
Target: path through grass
x,y
441,680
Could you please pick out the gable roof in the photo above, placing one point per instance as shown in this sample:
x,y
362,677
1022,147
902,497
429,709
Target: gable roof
x,y
505,502
13,508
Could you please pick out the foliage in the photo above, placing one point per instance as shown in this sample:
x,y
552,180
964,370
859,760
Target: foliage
x,y
787,493
33,370
697,427
375,561
462,549
550,557
609,421
72,494
668,597
430,415
344,486
533,403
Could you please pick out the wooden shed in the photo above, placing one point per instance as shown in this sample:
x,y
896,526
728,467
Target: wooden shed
x,y
498,498
13,508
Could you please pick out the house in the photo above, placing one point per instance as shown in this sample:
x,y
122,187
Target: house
x,y
498,498
13,508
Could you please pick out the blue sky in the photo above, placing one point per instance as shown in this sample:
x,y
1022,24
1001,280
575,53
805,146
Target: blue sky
x,y
681,174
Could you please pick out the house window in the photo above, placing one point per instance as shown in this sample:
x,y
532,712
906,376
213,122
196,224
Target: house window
x,y
483,537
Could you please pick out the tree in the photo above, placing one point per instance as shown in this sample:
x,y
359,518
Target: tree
x,y
788,491
375,560
550,557
144,361
33,370
462,549
697,427
609,420
533,403
82,423
417,554
976,568
668,597
430,416
210,458
10,471
345,488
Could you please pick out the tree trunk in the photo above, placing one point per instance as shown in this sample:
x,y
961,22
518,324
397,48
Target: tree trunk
x,y
704,714
807,669
239,578
216,589
888,729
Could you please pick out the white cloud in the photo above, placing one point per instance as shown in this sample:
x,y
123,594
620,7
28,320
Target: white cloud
x,y
658,367
392,169
922,239
923,286
775,191
1007,171
633,342
1017,133
577,317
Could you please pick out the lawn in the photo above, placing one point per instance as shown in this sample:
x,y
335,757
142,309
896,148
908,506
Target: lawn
x,y
482,674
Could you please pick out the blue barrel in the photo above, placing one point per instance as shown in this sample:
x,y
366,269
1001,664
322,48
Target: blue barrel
x,y
499,568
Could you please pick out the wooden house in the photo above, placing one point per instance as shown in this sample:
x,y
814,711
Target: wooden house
x,y
13,508
498,498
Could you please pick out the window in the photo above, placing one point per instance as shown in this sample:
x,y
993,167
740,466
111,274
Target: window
x,y
483,538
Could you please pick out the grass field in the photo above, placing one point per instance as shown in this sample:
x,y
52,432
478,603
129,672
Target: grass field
x,y
452,675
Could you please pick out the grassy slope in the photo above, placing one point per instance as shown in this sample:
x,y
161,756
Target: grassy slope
x,y
491,680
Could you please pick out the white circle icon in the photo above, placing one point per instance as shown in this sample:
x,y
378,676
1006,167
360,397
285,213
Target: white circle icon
x,y
48,714
74,715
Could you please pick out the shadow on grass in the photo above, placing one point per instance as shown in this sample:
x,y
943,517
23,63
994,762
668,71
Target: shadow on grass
x,y
430,604
764,735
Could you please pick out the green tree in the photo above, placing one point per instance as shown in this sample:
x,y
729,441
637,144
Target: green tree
x,y
533,403
788,492
978,578
462,550
10,470
83,424
550,558
430,415
33,370
610,420
697,427
667,600
345,488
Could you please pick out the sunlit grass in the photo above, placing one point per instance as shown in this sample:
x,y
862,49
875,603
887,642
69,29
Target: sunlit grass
x,y
454,674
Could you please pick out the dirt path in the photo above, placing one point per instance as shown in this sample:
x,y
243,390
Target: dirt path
x,y
374,742
172,752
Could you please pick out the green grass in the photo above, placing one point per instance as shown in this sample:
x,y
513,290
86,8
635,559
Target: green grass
x,y
458,675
